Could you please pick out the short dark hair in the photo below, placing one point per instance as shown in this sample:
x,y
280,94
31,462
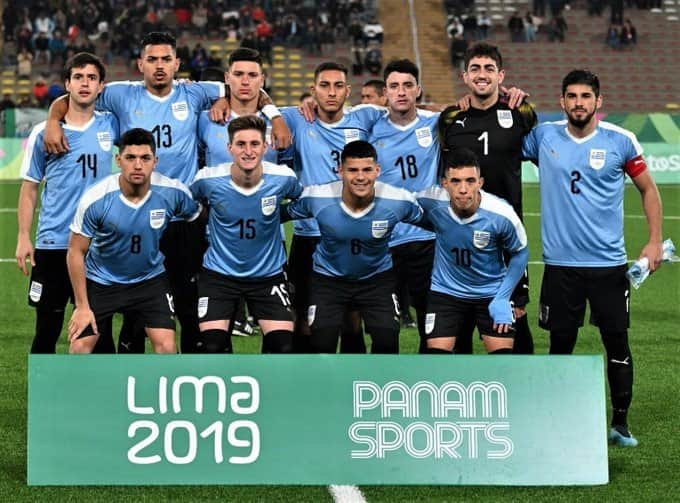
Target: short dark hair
x,y
329,65
80,60
583,76
137,136
246,122
245,54
158,38
460,158
358,149
482,50
401,66
377,84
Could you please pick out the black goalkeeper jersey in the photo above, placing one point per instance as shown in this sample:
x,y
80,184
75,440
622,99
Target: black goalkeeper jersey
x,y
495,135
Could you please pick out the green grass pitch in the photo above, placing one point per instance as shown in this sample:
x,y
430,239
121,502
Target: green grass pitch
x,y
648,473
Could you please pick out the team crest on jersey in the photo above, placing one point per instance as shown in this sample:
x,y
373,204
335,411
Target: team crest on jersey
x,y
105,140
202,306
311,314
597,158
504,118
35,292
424,136
180,110
379,228
156,218
481,239
429,322
268,205
351,135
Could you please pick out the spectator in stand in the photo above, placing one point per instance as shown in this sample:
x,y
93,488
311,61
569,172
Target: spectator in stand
x,y
43,23
516,27
613,38
617,12
41,45
483,24
530,28
454,27
40,92
249,41
10,16
183,54
182,12
373,58
264,47
199,62
199,19
24,64
214,61
628,34
7,101
258,14
557,28
24,39
57,48
310,38
539,8
457,49
373,31
60,20
470,26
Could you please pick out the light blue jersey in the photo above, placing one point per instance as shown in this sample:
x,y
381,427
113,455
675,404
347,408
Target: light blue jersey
x,y
354,245
243,224
409,158
171,119
468,260
318,146
581,184
66,176
214,138
125,236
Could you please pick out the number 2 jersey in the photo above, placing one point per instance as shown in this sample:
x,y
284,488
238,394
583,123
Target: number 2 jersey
x,y
244,224
409,158
66,176
172,119
468,260
125,236
495,135
354,245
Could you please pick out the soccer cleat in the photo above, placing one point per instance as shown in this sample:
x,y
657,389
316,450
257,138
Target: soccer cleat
x,y
619,435
243,329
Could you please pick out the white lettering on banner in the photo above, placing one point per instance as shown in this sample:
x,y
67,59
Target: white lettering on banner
x,y
193,395
663,162
479,411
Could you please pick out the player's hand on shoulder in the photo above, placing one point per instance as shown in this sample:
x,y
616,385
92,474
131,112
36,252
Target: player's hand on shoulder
x,y
54,139
513,96
281,135
308,109
464,103
220,110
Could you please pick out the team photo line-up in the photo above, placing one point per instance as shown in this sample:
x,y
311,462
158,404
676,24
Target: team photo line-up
x,y
387,200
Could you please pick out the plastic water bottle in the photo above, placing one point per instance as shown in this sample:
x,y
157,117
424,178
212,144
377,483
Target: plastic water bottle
x,y
639,271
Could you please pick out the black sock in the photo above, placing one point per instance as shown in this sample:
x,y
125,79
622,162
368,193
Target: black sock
x,y
619,374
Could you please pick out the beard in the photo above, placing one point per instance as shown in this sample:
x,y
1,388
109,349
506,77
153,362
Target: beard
x,y
580,123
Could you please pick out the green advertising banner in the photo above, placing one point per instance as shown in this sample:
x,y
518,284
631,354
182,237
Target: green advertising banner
x,y
316,419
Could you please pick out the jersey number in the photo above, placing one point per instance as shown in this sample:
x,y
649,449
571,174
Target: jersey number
x,y
484,138
575,177
88,161
355,246
408,166
136,243
335,155
247,228
462,256
163,135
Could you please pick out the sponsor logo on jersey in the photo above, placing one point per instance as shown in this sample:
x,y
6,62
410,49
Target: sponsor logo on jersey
x,y
180,110
379,228
105,140
597,158
424,136
202,306
481,239
504,118
351,135
461,121
311,314
35,292
429,322
268,205
156,218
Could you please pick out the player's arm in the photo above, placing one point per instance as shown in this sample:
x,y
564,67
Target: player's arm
x,y
28,197
281,135
75,260
294,210
54,139
651,205
500,307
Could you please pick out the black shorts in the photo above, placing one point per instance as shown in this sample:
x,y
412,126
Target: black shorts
x,y
148,301
299,271
564,292
220,295
183,244
413,265
375,298
50,286
449,316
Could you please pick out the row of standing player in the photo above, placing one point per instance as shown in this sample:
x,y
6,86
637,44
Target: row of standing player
x,y
483,77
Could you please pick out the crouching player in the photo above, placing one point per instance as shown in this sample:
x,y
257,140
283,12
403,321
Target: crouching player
x,y
352,267
471,283
114,260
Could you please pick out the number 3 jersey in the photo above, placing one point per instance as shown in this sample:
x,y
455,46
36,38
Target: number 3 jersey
x,y
409,158
244,224
354,245
468,260
66,176
581,184
125,236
